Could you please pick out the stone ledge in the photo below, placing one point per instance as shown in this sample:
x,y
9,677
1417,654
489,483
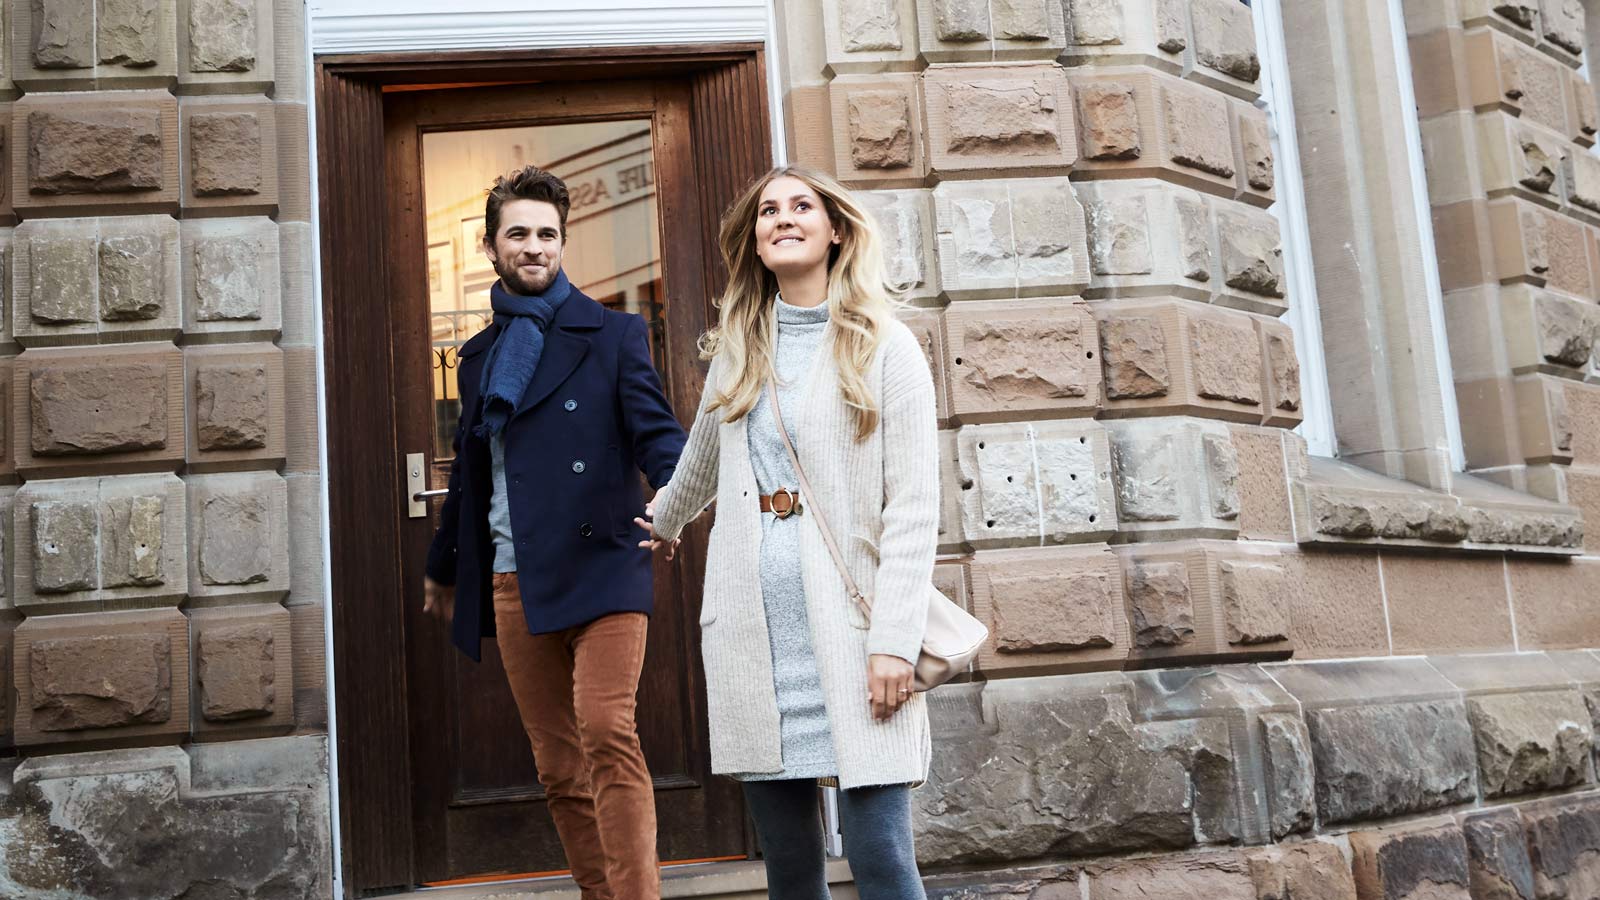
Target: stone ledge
x,y
1336,503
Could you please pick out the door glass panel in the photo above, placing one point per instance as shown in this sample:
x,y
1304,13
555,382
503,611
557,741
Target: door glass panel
x,y
613,245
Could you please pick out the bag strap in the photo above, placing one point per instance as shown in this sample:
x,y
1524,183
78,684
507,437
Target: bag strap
x,y
809,500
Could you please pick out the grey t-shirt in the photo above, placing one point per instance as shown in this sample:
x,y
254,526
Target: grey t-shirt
x,y
505,554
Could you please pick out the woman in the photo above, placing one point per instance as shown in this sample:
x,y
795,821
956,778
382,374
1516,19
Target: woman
x,y
801,685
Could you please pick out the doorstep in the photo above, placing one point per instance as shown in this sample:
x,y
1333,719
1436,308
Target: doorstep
x,y
712,881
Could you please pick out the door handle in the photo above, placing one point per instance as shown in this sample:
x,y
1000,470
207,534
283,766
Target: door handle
x,y
417,492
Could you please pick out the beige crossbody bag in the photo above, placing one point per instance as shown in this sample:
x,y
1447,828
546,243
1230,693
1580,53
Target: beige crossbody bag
x,y
952,636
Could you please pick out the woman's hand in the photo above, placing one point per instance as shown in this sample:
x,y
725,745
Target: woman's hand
x,y
654,543
889,680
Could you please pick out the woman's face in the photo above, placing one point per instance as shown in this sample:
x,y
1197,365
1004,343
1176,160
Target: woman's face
x,y
793,232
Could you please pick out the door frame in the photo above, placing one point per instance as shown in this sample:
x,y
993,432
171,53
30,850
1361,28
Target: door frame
x,y
731,134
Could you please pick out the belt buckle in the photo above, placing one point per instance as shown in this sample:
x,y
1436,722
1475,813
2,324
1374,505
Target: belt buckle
x,y
790,504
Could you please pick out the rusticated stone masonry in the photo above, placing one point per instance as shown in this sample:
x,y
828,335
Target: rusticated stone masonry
x,y
158,475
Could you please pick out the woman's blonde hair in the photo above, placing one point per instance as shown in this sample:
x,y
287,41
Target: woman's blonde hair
x,y
860,303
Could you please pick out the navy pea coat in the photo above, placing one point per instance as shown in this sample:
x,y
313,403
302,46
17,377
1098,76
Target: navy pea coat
x,y
593,416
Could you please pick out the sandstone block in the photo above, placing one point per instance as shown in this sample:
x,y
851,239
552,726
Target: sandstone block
x,y
1517,156
1134,350
1254,601
1540,81
63,547
1498,867
63,34
1027,22
1567,244
1281,374
1312,870
235,669
1251,251
1545,424
1255,146
1174,476
231,407
1095,22
1148,237
1226,356
1219,875
1225,40
234,535
1124,795
128,33
1412,861
1016,237
1581,121
238,535
1566,330
1119,234
1108,121
927,325
1381,761
1581,171
1405,515
1564,846
222,35
1561,22
1012,360
1001,119
1290,785
104,675
91,409
1034,609
131,276
131,540
95,151
905,222
225,153
1160,610
878,123
62,278
101,681
1148,33
1023,482
231,279
1530,741
1197,126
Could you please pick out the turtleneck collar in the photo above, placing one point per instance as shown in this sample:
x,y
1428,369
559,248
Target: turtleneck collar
x,y
789,314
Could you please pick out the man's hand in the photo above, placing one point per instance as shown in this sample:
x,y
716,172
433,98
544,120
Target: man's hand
x,y
438,600
654,543
889,680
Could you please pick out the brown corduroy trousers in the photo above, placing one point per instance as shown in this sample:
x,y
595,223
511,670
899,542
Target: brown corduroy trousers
x,y
576,691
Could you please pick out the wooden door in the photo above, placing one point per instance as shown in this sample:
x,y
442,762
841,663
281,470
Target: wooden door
x,y
634,243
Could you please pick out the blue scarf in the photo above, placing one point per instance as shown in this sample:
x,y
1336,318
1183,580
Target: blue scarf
x,y
515,354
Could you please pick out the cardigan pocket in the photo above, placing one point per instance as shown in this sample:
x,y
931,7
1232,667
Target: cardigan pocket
x,y
856,616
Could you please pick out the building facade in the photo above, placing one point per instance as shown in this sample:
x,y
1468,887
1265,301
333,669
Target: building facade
x,y
1264,336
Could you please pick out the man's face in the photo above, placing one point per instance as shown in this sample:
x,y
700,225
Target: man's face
x,y
526,251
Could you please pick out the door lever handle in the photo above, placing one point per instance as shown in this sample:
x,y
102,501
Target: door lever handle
x,y
417,492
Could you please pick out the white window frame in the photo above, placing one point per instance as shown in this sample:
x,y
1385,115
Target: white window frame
x,y
1303,316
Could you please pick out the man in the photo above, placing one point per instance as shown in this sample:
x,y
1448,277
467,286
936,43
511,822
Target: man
x,y
560,406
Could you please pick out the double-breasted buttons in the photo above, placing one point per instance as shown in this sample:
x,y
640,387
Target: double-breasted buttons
x,y
578,466
570,405
585,530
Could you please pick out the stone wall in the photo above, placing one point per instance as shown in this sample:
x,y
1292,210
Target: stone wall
x,y
162,562
1204,639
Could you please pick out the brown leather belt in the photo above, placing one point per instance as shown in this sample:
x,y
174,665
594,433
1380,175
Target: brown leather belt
x,y
782,503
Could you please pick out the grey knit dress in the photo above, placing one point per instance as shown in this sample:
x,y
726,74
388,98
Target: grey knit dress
x,y
807,741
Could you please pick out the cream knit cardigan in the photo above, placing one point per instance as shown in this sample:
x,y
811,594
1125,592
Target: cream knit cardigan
x,y
881,496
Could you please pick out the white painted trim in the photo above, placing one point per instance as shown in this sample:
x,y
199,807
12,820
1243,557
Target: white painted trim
x,y
366,26
1430,253
334,830
776,88
1316,403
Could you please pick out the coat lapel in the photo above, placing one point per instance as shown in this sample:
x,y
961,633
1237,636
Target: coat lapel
x,y
563,352
564,348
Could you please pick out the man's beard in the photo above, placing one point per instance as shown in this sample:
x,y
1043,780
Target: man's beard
x,y
518,283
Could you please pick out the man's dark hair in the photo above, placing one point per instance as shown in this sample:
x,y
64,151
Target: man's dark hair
x,y
530,183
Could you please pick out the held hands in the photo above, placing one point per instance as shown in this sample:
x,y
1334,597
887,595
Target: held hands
x,y
438,600
889,680
654,543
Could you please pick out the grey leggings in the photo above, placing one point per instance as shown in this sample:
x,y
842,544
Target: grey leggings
x,y
876,822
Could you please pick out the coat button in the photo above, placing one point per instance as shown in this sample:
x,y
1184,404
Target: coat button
x,y
570,405
585,530
578,467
